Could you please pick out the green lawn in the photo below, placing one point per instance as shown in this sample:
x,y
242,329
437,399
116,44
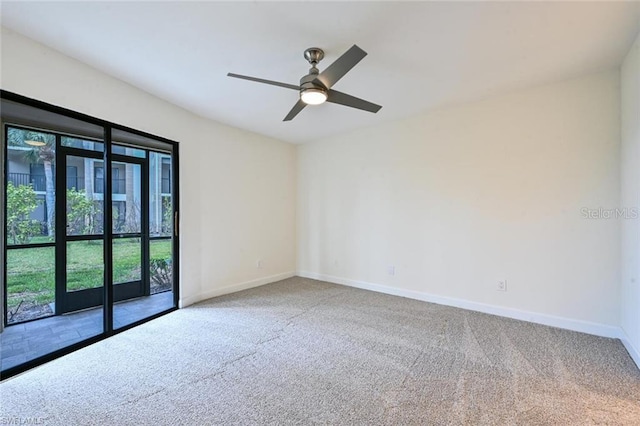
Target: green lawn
x,y
31,272
41,239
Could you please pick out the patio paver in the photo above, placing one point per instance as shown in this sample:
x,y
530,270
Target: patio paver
x,y
23,342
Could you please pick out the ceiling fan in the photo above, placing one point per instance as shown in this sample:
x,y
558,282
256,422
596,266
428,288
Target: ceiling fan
x,y
316,87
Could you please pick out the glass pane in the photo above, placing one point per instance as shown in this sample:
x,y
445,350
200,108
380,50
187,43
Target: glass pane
x,y
127,254
31,296
160,200
161,265
30,186
82,144
30,283
85,268
131,152
85,201
127,193
161,295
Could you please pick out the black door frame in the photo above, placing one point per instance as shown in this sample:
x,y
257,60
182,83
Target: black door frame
x,y
108,291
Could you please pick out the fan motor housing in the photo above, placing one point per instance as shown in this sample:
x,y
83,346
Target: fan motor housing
x,y
308,82
309,88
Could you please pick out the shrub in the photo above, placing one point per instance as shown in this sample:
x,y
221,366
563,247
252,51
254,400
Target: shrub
x,y
21,202
161,271
81,213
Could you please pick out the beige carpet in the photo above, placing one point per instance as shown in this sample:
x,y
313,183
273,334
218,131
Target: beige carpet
x,y
306,352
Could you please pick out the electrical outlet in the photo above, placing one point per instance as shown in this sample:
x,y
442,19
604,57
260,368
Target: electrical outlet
x,y
391,270
259,263
502,285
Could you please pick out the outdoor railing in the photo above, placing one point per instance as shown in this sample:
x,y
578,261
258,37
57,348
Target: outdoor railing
x,y
76,182
38,181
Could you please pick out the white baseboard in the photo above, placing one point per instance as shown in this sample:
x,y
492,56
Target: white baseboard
x,y
186,301
597,329
234,288
588,327
633,351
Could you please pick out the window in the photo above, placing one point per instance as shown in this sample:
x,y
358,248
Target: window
x,y
166,175
72,178
118,184
37,176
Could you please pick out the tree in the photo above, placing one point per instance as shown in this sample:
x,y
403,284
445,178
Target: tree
x,y
42,150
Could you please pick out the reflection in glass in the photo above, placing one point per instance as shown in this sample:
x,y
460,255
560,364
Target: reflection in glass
x,y
30,283
85,265
30,186
126,260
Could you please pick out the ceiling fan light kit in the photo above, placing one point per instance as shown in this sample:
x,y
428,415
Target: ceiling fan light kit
x,y
315,88
313,96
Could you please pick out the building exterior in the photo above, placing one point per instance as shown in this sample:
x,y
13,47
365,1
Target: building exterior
x,y
86,176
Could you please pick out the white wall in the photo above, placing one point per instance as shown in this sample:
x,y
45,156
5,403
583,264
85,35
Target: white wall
x,y
237,188
630,168
460,198
455,199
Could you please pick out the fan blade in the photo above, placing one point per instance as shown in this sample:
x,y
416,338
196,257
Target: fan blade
x,y
341,66
351,101
261,80
299,106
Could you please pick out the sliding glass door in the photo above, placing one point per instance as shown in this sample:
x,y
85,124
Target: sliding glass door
x,y
89,240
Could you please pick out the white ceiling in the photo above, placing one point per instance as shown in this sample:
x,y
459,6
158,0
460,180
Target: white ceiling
x,y
421,54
